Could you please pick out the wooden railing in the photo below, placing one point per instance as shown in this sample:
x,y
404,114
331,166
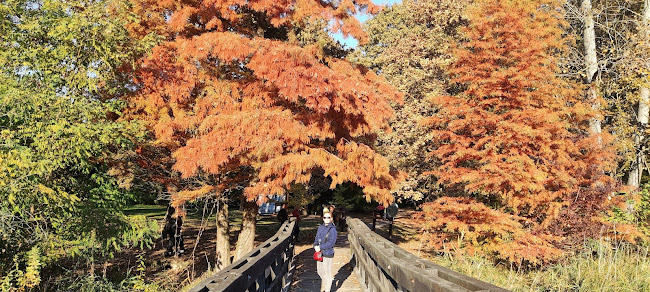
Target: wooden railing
x,y
383,266
266,268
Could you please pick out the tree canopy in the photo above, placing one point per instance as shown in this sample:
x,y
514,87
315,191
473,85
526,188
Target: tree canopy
x,y
229,88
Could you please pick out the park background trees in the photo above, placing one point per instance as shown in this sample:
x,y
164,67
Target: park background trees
x,y
110,103
482,83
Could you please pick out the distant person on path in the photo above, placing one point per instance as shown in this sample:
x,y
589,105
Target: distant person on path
x,y
324,242
172,231
296,230
340,222
336,215
283,215
380,211
296,213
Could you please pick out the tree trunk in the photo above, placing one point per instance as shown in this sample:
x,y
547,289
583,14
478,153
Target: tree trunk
x,y
634,178
223,235
591,64
246,240
636,171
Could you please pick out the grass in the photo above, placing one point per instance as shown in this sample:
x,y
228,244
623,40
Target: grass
x,y
150,211
265,224
600,267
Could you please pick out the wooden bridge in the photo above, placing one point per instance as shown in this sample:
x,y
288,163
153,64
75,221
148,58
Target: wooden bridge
x,y
364,261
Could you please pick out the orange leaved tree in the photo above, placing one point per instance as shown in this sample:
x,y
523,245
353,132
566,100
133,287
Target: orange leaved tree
x,y
515,136
233,92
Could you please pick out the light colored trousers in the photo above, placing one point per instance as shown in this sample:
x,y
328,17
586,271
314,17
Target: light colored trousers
x,y
324,270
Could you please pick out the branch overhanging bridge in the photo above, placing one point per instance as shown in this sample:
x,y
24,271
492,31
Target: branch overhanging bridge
x,y
365,262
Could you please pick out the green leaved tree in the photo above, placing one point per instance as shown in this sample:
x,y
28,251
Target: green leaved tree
x,y
59,78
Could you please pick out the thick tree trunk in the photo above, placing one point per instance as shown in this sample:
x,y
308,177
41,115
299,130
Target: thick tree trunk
x,y
591,64
246,240
636,171
223,235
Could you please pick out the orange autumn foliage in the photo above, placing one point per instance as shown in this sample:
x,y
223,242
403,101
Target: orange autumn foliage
x,y
464,226
515,137
229,90
513,134
173,18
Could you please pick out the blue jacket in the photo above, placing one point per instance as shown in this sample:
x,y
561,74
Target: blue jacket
x,y
326,246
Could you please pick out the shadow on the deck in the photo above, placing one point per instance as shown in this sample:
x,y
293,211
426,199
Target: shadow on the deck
x,y
343,274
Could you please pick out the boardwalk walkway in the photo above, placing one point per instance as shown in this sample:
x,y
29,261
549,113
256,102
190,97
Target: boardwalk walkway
x,y
305,278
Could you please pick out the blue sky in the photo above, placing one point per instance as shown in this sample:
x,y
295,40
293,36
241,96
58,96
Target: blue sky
x,y
350,42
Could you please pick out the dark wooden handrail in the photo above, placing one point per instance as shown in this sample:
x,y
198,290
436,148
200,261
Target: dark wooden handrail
x,y
266,268
383,266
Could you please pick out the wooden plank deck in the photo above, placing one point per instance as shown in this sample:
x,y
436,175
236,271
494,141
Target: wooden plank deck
x,y
305,278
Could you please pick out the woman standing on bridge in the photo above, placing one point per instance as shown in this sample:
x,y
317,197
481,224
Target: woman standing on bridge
x,y
324,242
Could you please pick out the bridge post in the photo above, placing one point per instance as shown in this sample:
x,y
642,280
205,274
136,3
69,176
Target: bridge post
x,y
390,228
